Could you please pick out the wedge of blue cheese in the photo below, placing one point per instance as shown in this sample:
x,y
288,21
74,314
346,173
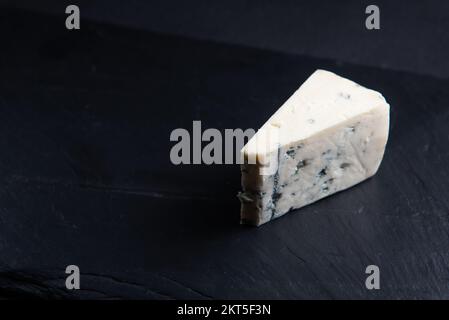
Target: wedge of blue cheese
x,y
328,136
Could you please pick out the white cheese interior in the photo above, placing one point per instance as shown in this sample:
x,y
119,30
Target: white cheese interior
x,y
329,135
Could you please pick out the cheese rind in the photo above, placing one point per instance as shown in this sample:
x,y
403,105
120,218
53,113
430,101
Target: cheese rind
x,y
328,136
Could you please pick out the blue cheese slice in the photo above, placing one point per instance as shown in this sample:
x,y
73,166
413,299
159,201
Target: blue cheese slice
x,y
328,136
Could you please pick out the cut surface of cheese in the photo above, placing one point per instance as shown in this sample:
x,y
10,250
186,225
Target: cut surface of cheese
x,y
328,136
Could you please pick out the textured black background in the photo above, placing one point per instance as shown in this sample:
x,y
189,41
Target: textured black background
x,y
413,35
84,163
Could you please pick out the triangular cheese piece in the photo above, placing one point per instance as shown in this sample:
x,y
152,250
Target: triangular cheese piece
x,y
328,136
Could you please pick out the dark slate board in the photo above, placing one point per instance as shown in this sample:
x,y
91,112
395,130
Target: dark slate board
x,y
85,119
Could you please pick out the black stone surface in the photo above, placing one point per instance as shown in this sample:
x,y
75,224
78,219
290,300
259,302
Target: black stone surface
x,y
85,119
